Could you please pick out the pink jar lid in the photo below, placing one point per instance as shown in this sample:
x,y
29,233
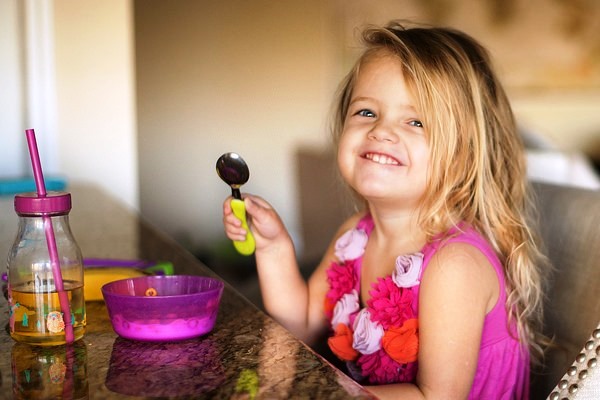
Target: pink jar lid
x,y
53,203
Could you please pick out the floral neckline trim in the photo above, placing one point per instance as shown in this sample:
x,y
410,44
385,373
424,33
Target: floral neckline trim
x,y
380,341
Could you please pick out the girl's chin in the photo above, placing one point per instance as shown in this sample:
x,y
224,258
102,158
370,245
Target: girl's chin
x,y
376,192
373,191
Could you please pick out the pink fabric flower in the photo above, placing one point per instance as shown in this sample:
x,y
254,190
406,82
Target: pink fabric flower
x,y
389,304
342,280
351,245
380,368
408,268
367,334
408,372
346,306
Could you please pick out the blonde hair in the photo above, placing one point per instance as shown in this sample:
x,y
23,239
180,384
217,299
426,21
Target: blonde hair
x,y
477,171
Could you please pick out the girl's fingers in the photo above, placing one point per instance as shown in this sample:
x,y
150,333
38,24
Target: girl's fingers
x,y
233,229
258,209
258,201
227,206
232,225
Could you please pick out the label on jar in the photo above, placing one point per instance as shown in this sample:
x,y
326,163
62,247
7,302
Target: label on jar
x,y
55,322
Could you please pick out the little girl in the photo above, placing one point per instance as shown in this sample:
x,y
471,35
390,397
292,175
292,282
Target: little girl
x,y
433,289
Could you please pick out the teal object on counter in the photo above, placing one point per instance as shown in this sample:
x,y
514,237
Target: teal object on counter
x,y
13,186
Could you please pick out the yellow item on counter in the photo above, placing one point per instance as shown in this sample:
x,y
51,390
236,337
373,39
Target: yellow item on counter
x,y
95,278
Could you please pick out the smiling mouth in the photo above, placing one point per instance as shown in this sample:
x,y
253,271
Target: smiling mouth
x,y
381,159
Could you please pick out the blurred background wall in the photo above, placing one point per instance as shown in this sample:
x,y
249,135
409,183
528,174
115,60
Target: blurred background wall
x,y
67,71
142,96
212,77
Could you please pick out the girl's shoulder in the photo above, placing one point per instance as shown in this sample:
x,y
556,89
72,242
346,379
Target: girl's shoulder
x,y
462,261
464,241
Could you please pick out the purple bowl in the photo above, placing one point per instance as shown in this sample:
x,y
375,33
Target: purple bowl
x,y
163,308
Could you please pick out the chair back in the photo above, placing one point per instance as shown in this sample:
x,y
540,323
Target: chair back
x,y
569,219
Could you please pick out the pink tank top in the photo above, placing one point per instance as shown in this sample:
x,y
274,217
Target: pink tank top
x,y
379,342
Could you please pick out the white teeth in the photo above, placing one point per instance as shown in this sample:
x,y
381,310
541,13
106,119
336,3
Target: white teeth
x,y
381,159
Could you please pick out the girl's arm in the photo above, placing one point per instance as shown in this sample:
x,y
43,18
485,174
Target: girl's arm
x,y
458,289
294,303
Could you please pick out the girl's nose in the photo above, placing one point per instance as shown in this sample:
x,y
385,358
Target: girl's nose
x,y
383,133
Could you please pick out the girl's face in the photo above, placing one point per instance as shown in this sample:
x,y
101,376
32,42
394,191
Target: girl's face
x,y
383,153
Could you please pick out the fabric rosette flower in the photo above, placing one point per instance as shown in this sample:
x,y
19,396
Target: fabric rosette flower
x,y
351,245
342,280
344,309
341,343
408,268
328,306
402,344
389,304
367,334
379,368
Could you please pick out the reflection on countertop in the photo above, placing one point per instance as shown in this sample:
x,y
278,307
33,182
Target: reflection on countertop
x,y
49,372
164,369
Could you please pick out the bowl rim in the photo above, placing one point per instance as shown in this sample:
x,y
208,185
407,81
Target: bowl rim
x,y
219,288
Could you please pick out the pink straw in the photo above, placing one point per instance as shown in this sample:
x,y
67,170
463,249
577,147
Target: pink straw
x,y
38,176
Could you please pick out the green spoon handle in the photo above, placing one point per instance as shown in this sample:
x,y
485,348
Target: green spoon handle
x,y
247,246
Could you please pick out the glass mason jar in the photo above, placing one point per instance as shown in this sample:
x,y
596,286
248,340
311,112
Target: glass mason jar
x,y
35,312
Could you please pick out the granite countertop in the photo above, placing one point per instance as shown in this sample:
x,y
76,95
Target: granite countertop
x,y
247,355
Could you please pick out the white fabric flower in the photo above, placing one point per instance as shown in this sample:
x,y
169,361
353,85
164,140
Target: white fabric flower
x,y
367,334
351,245
408,268
345,306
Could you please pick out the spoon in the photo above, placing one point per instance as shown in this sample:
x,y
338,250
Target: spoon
x,y
233,170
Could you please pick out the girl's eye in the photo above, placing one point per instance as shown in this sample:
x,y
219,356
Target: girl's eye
x,y
366,113
416,123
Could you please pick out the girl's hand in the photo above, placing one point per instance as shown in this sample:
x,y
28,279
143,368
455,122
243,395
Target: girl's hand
x,y
263,220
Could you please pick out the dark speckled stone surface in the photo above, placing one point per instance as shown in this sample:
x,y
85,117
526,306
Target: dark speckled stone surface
x,y
247,355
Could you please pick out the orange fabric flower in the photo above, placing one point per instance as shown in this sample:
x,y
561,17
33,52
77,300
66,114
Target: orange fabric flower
x,y
402,344
341,343
328,306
